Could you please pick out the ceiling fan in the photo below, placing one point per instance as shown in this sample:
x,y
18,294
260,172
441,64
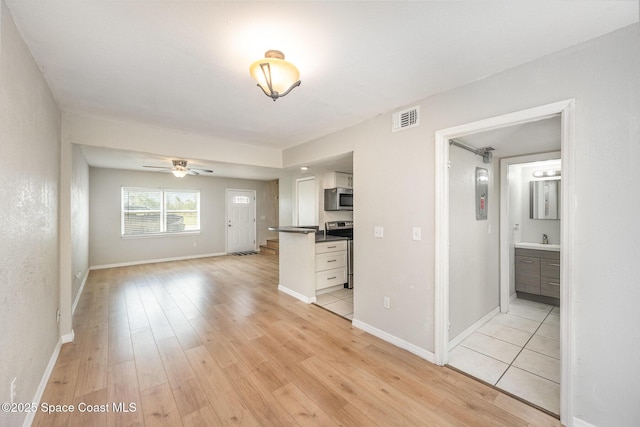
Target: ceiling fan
x,y
180,169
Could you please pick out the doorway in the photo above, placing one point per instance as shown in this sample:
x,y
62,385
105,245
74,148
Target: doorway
x,y
241,221
564,109
307,201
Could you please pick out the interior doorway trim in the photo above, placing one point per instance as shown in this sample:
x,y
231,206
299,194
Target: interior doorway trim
x,y
566,109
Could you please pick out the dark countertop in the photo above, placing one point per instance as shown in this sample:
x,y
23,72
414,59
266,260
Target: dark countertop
x,y
320,237
289,229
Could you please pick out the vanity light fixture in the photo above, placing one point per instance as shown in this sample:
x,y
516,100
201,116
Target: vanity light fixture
x,y
275,76
547,173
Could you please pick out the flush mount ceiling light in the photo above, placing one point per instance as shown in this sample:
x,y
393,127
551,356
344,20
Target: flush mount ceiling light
x,y
275,76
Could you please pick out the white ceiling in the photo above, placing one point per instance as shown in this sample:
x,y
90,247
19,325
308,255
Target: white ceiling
x,y
184,64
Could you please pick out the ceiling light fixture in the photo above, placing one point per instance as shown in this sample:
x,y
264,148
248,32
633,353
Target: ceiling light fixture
x,y
275,76
179,169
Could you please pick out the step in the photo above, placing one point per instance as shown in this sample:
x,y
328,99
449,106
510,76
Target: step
x,y
273,243
268,250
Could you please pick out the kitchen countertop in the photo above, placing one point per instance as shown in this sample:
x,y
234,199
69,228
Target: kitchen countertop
x,y
320,236
290,229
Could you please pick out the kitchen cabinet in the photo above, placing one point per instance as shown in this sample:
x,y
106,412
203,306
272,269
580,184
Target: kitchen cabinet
x,y
337,179
331,264
538,272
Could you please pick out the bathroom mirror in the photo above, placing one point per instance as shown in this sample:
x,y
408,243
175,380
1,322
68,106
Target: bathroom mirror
x,y
544,199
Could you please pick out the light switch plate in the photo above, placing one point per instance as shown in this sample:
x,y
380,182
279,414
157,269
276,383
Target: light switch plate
x,y
378,232
417,233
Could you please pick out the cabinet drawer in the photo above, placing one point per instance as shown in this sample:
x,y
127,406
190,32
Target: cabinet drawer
x,y
527,265
550,268
550,287
330,278
331,260
528,274
331,246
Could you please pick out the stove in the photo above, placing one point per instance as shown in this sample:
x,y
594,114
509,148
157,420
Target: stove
x,y
343,229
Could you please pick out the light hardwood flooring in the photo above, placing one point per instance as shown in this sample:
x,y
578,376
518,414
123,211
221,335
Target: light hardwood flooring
x,y
212,342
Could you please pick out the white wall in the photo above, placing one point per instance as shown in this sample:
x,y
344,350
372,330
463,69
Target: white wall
x,y
474,251
29,287
79,220
106,247
603,76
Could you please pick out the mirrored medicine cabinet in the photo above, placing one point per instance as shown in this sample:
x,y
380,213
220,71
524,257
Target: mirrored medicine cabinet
x,y
544,199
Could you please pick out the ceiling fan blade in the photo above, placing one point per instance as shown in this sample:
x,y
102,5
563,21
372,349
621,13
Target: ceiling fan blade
x,y
157,167
192,172
202,170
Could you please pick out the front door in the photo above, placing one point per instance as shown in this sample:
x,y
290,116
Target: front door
x,y
241,220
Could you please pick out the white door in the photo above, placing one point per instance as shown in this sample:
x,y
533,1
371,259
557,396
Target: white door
x,y
241,220
307,201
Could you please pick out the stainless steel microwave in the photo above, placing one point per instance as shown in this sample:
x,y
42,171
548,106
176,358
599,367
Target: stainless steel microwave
x,y
338,199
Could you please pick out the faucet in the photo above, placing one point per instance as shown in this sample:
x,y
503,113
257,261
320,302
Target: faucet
x,y
545,239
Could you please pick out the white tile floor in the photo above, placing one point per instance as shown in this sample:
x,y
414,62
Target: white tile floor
x,y
339,302
518,352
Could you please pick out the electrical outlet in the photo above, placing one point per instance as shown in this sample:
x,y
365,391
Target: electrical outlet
x,y
58,316
12,391
386,303
378,232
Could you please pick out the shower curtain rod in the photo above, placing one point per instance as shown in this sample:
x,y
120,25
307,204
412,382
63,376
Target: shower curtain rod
x,y
485,152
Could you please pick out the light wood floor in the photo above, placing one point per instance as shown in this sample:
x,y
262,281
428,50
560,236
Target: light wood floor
x,y
212,342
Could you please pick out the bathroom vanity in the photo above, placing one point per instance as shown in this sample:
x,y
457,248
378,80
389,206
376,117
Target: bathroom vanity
x,y
537,272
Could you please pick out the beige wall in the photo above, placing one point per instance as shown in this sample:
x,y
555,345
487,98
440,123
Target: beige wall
x,y
395,189
474,245
29,287
106,247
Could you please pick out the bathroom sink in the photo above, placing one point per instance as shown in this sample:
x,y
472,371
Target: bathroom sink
x,y
538,246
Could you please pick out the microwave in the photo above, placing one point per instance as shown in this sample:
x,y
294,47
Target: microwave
x,y
338,199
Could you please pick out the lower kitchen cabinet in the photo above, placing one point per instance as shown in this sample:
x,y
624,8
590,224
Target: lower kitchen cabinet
x,y
331,264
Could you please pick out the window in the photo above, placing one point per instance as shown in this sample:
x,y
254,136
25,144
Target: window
x,y
148,211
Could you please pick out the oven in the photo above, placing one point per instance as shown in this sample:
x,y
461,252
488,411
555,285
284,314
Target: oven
x,y
343,229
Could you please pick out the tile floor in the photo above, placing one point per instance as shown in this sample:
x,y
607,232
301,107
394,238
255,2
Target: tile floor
x,y
339,302
518,352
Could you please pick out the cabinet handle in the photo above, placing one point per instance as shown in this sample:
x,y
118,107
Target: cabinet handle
x,y
553,284
331,247
331,278
332,260
526,261
554,265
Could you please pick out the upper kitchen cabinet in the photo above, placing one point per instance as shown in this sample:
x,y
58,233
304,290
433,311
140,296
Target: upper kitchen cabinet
x,y
337,179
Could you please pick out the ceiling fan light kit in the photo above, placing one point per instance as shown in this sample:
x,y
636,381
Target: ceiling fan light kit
x,y
275,76
180,169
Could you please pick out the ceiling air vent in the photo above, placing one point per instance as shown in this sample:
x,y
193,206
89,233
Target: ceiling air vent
x,y
406,119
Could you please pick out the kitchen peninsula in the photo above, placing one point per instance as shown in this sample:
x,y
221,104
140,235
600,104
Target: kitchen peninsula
x,y
310,261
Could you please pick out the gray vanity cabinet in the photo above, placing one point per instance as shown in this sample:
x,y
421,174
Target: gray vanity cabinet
x,y
538,272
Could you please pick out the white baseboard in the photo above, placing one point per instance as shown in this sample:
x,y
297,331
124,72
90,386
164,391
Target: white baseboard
x,y
577,422
297,295
471,329
153,261
43,383
398,342
68,337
